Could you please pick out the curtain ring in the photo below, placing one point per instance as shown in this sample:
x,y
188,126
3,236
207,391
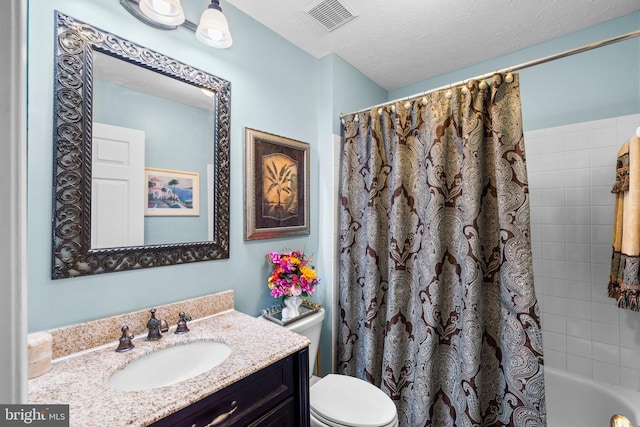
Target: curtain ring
x,y
424,101
407,105
356,118
465,89
509,77
448,94
379,111
483,85
393,108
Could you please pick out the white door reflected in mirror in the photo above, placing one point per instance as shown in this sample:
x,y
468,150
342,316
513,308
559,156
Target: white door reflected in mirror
x,y
117,187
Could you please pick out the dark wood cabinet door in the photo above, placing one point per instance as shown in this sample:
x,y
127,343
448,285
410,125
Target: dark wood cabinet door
x,y
277,395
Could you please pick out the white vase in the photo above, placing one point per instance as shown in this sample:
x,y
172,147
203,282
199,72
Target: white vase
x,y
292,307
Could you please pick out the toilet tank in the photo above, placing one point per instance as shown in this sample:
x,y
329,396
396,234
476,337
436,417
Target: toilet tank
x,y
309,326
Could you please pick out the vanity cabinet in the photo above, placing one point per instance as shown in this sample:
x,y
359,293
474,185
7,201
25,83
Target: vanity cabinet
x,y
277,395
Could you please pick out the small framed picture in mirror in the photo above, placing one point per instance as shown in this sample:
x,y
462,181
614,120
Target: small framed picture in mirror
x,y
172,193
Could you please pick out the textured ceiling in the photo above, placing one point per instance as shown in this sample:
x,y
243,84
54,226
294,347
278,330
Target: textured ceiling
x,y
399,42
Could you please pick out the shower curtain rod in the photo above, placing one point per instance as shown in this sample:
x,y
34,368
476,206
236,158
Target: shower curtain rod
x,y
521,66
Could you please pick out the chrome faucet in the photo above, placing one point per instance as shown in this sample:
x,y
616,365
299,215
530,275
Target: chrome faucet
x,y
154,327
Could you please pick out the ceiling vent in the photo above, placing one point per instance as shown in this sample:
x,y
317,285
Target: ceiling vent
x,y
332,14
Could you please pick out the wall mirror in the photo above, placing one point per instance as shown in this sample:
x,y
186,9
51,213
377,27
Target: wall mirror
x,y
141,156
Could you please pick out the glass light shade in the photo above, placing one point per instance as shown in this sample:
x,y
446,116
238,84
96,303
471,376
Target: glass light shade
x,y
167,12
214,29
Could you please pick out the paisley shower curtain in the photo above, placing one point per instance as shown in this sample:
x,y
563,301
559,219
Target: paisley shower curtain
x,y
436,298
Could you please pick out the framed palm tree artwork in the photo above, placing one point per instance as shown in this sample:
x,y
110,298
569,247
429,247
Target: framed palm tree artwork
x,y
276,186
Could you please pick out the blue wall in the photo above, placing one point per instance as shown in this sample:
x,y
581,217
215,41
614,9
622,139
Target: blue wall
x,y
598,84
273,87
344,89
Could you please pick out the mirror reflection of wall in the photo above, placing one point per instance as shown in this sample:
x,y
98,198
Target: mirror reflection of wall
x,y
177,120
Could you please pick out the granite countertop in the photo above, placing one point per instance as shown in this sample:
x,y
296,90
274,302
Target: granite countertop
x,y
81,379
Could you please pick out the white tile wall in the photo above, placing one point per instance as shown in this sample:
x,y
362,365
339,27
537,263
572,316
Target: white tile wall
x,y
571,170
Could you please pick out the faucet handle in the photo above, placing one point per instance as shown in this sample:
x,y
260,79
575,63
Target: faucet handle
x,y
182,323
125,340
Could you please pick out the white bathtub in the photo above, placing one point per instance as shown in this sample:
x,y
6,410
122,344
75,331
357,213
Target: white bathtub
x,y
576,401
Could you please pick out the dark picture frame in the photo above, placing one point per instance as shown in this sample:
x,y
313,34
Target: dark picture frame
x,y
276,186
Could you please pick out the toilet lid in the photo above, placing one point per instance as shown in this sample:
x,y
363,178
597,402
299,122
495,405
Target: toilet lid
x,y
349,401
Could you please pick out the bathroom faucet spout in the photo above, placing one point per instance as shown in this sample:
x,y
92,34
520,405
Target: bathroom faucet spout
x,y
154,327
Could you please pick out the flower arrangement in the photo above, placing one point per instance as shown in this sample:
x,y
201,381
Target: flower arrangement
x,y
292,275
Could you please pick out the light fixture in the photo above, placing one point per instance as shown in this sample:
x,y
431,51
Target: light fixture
x,y
167,12
213,29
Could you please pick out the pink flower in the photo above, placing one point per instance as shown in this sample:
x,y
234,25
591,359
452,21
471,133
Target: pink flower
x,y
275,257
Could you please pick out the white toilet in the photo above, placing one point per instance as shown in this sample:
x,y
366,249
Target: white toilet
x,y
340,400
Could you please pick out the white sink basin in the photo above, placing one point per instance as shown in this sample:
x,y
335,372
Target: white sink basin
x,y
170,365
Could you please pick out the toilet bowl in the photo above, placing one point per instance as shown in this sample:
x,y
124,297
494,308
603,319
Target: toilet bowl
x,y
341,400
